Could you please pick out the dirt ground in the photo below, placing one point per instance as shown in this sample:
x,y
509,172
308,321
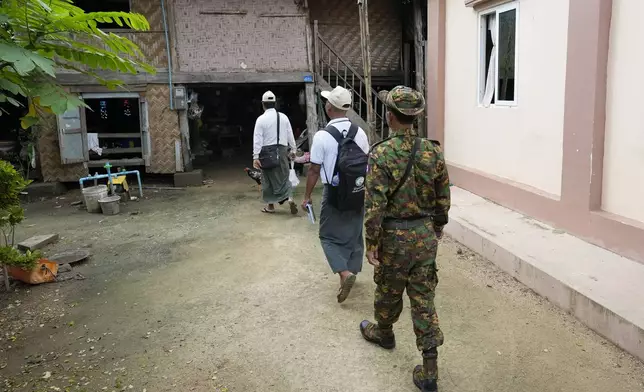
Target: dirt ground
x,y
195,290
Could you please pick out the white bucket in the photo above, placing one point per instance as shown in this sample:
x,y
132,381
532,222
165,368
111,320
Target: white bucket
x,y
110,205
92,195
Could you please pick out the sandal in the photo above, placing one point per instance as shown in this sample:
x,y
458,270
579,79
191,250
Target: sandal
x,y
293,208
267,211
346,288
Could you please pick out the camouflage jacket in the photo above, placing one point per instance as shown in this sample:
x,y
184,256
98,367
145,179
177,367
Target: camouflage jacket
x,y
425,194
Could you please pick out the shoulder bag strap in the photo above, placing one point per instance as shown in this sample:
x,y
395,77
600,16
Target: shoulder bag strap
x,y
410,164
278,127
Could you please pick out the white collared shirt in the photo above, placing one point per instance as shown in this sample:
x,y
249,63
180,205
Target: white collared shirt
x,y
324,150
266,132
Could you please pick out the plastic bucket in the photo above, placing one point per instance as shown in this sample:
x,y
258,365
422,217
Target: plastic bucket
x,y
110,205
92,195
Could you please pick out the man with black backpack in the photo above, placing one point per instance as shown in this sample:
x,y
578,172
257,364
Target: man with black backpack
x,y
339,157
406,207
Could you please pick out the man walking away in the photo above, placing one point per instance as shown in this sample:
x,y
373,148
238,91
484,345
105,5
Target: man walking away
x,y
407,202
339,157
271,142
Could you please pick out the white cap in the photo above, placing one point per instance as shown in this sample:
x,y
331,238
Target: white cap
x,y
268,97
339,97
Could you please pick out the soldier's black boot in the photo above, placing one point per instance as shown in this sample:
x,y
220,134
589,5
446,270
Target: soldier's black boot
x,y
382,336
426,376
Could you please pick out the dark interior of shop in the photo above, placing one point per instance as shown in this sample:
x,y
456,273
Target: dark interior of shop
x,y
224,131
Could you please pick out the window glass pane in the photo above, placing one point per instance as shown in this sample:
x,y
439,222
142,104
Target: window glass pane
x,y
489,46
507,55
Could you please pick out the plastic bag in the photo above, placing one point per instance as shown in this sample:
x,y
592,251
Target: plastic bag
x,y
292,177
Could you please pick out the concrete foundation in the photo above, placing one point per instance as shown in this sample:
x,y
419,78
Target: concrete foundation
x,y
191,178
37,190
600,288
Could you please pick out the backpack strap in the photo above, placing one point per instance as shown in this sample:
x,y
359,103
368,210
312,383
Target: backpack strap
x,y
338,136
410,164
352,132
333,131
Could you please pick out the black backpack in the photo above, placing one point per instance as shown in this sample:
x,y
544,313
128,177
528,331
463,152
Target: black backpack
x,y
351,168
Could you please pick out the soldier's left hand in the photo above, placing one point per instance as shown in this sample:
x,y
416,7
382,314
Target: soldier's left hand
x,y
372,258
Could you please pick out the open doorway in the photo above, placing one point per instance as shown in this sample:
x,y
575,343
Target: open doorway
x,y
222,135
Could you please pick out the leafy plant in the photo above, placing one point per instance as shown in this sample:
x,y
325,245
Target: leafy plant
x,y
12,214
39,37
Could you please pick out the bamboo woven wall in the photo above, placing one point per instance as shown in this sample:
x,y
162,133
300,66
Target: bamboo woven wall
x,y
164,130
152,43
151,9
49,151
339,25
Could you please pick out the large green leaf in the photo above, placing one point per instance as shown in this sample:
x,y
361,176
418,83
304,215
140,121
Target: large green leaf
x,y
17,57
39,36
24,61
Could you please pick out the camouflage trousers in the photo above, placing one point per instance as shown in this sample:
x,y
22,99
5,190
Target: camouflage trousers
x,y
408,262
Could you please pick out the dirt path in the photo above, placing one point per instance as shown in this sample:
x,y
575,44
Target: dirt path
x,y
198,291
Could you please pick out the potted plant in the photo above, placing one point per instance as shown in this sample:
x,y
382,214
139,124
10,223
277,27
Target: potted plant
x,y
27,267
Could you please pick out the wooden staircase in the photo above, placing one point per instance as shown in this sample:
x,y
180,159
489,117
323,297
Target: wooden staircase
x,y
331,70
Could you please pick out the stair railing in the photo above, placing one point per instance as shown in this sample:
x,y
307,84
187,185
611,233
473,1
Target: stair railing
x,y
334,70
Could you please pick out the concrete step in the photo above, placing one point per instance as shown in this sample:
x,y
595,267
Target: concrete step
x,y
602,289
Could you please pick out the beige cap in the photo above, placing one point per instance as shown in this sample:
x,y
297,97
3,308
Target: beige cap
x,y
339,97
268,97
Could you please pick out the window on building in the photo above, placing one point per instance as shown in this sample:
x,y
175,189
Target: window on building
x,y
498,57
105,6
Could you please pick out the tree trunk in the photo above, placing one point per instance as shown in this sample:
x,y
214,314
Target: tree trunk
x,y
6,278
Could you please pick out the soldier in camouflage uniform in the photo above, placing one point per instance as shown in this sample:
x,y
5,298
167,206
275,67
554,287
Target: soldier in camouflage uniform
x,y
404,220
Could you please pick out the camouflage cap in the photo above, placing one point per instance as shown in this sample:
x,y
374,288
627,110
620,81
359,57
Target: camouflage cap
x,y
404,100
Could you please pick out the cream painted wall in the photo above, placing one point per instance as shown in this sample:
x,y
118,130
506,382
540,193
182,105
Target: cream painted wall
x,y
524,143
624,150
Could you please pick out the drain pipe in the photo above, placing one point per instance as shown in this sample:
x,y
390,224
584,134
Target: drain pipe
x,y
167,47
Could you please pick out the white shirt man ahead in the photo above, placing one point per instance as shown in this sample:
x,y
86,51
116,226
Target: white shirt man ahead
x,y
276,187
266,128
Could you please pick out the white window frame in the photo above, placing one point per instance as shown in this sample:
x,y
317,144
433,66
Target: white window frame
x,y
482,39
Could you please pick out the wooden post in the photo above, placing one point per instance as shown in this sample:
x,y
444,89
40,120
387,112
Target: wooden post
x,y
363,8
311,111
309,40
316,51
309,88
419,50
184,130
